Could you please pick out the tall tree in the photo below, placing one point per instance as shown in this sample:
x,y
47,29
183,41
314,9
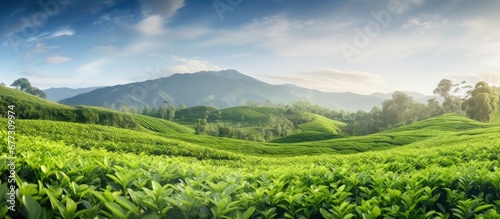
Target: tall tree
x,y
37,92
167,111
482,103
23,84
443,88
396,110
452,100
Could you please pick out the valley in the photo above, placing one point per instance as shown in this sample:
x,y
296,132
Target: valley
x,y
87,162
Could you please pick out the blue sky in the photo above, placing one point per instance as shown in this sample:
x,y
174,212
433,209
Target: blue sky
x,y
361,46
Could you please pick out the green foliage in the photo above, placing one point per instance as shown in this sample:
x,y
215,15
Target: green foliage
x,y
454,174
31,107
482,104
160,125
306,137
116,140
322,124
24,85
452,99
257,123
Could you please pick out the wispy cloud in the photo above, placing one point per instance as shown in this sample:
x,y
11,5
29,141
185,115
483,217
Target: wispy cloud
x,y
106,49
164,8
189,65
152,25
48,35
285,36
57,59
334,80
184,65
425,22
40,48
491,77
93,67
401,6
63,32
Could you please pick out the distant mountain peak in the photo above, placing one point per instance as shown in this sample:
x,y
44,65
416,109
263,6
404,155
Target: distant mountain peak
x,y
222,89
228,73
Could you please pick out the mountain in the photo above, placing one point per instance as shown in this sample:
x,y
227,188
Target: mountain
x,y
221,89
57,94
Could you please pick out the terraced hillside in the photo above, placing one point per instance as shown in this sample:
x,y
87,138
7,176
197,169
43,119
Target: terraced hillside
x,y
443,167
447,174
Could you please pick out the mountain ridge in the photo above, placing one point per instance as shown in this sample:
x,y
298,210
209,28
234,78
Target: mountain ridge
x,y
222,89
59,93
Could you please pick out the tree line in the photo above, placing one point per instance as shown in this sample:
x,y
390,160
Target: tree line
x,y
479,102
24,84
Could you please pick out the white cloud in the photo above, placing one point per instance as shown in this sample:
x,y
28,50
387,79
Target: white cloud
x,y
286,37
92,67
57,60
192,65
63,32
107,49
164,8
424,23
185,65
41,48
152,25
139,46
493,78
401,6
473,22
334,80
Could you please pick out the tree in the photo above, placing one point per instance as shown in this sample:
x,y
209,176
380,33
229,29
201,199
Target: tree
x,y
452,103
482,103
433,108
23,84
182,106
443,88
167,111
396,110
37,92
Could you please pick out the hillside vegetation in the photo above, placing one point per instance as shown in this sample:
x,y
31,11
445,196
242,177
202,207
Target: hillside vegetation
x,y
451,175
109,164
322,124
259,123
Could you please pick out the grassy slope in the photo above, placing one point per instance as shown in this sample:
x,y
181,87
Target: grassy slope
x,y
460,162
247,114
306,137
322,124
34,106
190,145
166,131
161,125
13,96
436,127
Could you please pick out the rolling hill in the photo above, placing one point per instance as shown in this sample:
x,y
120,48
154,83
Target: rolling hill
x,y
47,110
221,89
442,167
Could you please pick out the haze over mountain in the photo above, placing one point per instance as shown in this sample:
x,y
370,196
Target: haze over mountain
x,y
221,89
59,93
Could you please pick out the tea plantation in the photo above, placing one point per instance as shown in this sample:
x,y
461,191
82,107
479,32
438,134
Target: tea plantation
x,y
452,175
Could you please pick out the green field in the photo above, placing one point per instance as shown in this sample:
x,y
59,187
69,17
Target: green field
x,y
100,167
322,124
